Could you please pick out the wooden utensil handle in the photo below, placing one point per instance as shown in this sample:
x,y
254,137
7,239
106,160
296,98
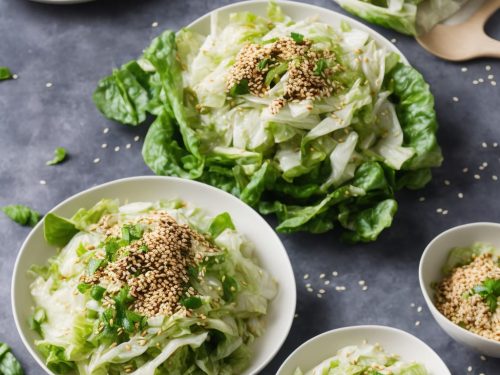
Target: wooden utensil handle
x,y
484,13
489,47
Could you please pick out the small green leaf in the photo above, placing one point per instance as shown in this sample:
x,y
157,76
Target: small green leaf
x,y
132,232
80,250
143,249
192,303
82,287
111,247
297,38
220,223
275,73
320,66
59,156
230,288
241,88
5,73
22,215
263,63
58,230
94,265
489,290
97,292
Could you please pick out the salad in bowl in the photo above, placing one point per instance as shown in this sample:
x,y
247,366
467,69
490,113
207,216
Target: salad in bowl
x,y
317,120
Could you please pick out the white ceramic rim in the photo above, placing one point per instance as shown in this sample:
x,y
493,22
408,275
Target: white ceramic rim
x,y
355,23
361,327
291,313
428,299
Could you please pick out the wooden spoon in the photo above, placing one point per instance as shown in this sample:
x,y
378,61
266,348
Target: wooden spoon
x,y
466,40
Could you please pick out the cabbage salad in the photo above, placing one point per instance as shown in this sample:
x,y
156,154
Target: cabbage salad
x,y
365,359
316,123
148,288
410,17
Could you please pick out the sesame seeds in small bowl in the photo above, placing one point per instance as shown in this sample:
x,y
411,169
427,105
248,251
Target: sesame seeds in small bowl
x,y
454,269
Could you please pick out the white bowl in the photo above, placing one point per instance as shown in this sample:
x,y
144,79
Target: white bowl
x,y
269,248
393,340
431,263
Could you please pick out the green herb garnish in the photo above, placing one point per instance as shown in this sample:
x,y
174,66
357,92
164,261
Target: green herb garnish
x,y
192,302
59,156
132,232
22,214
230,288
321,65
97,292
297,38
263,63
93,265
241,88
5,73
489,290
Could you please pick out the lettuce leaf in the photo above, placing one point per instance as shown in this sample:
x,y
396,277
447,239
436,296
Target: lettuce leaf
x,y
22,215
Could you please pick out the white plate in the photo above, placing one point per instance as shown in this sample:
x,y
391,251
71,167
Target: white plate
x,y
269,248
393,340
431,264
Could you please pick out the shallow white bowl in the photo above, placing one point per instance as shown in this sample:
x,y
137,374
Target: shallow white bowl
x,y
269,248
431,263
393,340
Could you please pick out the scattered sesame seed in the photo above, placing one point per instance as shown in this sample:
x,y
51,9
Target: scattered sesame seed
x,y
319,295
105,130
364,288
128,145
361,282
481,80
477,177
483,358
495,144
460,195
465,170
136,138
393,40
464,69
412,304
154,24
469,369
48,84
117,148
43,182
96,160
322,291
296,316
421,199
104,145
488,68
439,210
447,182
494,177
417,323
327,282
493,83
335,273
310,290
322,276
306,276
15,76
340,288
484,144
491,76
308,285
455,99
445,212
475,82
419,309
485,164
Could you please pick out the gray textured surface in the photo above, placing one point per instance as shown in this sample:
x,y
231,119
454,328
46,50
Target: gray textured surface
x,y
73,46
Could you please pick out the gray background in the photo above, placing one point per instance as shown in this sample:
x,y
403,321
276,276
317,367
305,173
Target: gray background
x,y
73,46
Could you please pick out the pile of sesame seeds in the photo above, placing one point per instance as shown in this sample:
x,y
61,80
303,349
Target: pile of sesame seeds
x,y
305,81
453,298
155,267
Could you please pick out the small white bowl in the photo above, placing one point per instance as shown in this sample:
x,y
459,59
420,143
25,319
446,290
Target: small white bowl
x,y
393,340
269,249
431,263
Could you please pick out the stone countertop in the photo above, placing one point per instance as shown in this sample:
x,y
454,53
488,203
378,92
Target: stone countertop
x,y
72,47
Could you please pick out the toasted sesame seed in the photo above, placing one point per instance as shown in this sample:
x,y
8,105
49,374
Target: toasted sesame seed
x,y
465,170
421,199
364,288
310,290
48,84
481,80
96,160
117,148
482,357
136,138
105,130
495,144
447,182
494,177
491,76
322,276
455,99
319,295
460,195
484,144
335,273
306,276
488,68
469,369
464,69
419,309
412,304
327,282
154,24
104,145
477,177
393,40
439,210
128,145
475,82
493,83
322,291
15,76
417,323
361,282
43,182
445,212
296,316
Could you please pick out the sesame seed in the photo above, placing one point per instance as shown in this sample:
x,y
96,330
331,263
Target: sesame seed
x,y
319,295
310,290
361,282
421,199
491,76
494,177
306,276
327,282
105,130
136,138
417,323
447,182
43,182
495,144
439,210
460,195
96,160
469,369
308,285
335,273
419,309
154,24
340,288
322,276
475,82
484,144
128,145
465,170
393,40
104,145
364,288
455,99
296,316
488,68
15,76
464,69
493,83
48,84
483,358
481,80
477,177
412,304
445,212
117,148
322,291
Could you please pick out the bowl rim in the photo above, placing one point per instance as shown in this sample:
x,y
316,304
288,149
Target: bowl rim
x,y
291,282
429,301
354,22
360,328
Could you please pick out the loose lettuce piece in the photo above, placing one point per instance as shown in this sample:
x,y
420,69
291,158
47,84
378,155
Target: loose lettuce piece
x,y
9,365
22,215
5,73
59,156
220,223
460,256
55,358
83,218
